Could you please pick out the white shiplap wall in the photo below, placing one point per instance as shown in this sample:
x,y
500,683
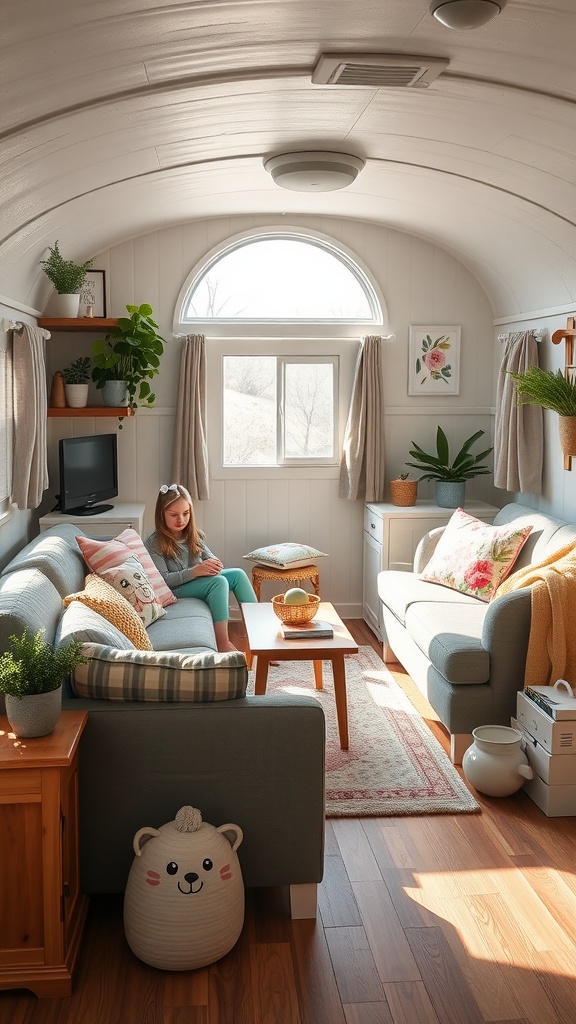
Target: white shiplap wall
x,y
421,284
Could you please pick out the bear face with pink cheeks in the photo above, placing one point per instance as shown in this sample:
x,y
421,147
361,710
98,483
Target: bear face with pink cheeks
x,y
184,901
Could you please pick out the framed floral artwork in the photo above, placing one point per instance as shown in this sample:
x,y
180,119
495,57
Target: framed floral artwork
x,y
434,361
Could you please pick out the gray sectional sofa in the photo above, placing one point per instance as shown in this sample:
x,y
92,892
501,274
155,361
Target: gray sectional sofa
x,y
467,657
254,761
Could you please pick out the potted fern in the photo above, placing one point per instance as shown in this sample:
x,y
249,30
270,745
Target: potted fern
x,y
450,477
31,677
554,391
67,278
130,353
77,377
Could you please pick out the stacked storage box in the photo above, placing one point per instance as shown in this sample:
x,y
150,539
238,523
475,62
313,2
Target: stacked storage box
x,y
550,746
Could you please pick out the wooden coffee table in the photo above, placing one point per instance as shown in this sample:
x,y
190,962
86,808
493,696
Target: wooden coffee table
x,y
266,644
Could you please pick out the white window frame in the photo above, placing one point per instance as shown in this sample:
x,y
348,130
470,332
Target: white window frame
x,y
6,434
342,351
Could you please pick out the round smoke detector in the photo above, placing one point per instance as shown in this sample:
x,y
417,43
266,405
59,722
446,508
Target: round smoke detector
x,y
314,171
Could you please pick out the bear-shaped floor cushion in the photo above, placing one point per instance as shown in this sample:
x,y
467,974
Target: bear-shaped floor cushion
x,y
184,901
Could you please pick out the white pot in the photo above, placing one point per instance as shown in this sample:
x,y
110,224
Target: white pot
x,y
495,763
34,715
76,395
65,306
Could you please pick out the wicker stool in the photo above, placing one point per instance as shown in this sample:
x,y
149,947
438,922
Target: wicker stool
x,y
304,572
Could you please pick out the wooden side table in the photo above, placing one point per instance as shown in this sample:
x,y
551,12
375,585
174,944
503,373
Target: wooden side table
x,y
285,576
43,911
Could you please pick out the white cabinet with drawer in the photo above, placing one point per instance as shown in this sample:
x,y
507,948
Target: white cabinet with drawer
x,y
391,536
102,525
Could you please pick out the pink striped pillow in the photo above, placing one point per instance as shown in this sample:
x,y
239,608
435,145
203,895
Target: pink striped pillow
x,y
100,555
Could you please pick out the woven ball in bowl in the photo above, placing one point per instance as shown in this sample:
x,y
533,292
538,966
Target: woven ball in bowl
x,y
295,613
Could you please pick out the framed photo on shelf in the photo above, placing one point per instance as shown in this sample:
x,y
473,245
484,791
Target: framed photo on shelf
x,y
93,294
434,360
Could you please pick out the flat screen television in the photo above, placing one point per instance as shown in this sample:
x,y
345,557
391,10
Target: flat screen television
x,y
88,473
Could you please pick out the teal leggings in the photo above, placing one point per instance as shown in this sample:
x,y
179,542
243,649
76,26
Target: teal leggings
x,y
215,591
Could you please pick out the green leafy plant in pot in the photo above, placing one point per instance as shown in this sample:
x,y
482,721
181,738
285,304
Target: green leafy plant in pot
x,y
67,278
450,476
31,677
77,377
130,353
554,391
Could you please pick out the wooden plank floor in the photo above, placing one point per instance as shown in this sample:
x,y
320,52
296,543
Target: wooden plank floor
x,y
426,920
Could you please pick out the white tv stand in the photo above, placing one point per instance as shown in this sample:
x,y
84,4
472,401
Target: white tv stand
x,y
104,525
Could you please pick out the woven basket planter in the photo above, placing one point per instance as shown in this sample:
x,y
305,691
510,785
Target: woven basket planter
x,y
403,492
567,431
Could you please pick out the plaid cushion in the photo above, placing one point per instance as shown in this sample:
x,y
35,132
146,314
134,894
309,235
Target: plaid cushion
x,y
114,674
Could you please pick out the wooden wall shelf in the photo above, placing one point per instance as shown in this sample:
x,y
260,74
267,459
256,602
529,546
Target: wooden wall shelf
x,y
80,323
94,410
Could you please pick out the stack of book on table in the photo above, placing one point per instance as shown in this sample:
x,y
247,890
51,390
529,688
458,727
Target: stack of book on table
x,y
316,629
546,716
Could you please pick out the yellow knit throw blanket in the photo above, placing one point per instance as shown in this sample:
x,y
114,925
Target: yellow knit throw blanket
x,y
552,644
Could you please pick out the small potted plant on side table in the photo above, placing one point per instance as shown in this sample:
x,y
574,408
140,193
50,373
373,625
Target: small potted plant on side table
x,y
450,476
403,491
77,377
31,677
67,278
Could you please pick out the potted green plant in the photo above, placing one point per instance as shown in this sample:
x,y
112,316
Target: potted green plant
x,y
554,391
450,476
67,278
403,491
31,677
130,353
77,377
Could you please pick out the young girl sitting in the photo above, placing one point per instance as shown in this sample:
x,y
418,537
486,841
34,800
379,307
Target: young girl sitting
x,y
188,566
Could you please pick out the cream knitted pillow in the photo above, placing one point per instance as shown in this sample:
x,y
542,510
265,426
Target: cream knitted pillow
x,y
102,598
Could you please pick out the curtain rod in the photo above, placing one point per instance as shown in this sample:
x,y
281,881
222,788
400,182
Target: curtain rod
x,y
12,325
538,335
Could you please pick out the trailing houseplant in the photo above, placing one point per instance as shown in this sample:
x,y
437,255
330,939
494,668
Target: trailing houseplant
x,y
440,468
554,391
131,353
31,677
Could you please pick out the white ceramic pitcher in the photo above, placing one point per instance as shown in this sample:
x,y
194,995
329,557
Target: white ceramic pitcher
x,y
495,764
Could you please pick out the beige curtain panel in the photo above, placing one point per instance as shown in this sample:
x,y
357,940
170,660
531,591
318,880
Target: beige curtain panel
x,y
518,429
189,450
362,463
30,465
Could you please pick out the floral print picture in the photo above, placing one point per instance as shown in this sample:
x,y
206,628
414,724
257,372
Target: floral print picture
x,y
434,361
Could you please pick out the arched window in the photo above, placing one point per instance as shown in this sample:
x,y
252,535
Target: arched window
x,y
280,308
286,277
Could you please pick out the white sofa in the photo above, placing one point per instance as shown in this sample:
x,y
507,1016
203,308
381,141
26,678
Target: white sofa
x,y
467,657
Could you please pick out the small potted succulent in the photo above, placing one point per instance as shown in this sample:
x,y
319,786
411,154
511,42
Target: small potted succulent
x,y
403,491
450,476
31,677
67,278
77,377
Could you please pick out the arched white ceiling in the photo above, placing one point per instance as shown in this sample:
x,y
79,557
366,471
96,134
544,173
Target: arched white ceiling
x,y
123,116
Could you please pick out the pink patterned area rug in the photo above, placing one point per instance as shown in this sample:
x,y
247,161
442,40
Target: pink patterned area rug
x,y
394,766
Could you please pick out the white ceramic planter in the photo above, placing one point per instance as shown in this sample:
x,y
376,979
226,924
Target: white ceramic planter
x,y
76,395
34,715
66,306
495,764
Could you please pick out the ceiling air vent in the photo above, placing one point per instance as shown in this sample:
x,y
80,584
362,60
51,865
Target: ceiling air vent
x,y
378,70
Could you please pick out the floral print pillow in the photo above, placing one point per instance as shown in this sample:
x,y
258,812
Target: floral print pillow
x,y
474,558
